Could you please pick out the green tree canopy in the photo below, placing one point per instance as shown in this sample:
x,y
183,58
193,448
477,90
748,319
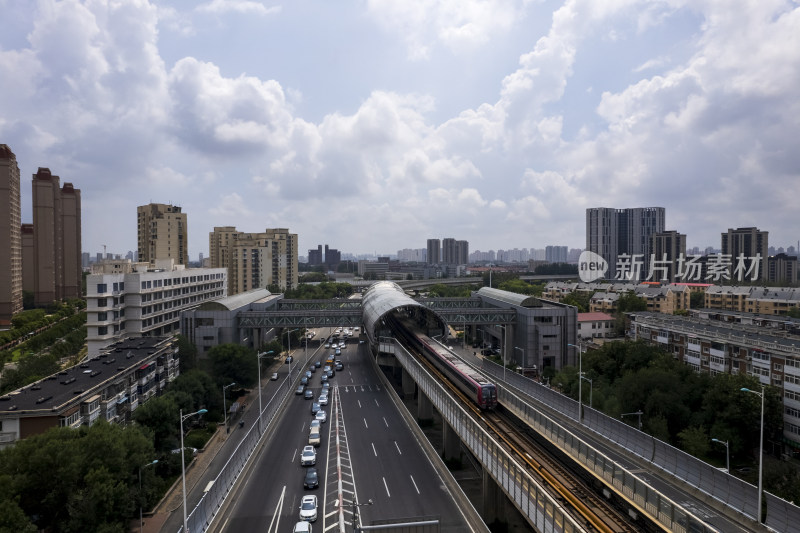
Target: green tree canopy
x,y
233,363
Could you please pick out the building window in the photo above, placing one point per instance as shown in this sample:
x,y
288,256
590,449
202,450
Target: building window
x,y
102,330
102,302
102,316
102,288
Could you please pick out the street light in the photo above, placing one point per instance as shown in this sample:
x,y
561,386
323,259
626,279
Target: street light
x,y
727,453
580,385
760,448
355,513
141,521
637,413
224,410
591,388
522,363
259,356
289,347
183,465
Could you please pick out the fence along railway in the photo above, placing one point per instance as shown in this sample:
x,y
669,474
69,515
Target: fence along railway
x,y
580,496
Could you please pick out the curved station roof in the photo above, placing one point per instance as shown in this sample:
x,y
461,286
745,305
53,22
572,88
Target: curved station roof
x,y
383,297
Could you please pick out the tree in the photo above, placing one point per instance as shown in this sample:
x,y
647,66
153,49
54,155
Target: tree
x,y
697,300
187,352
695,440
161,416
579,299
233,363
629,302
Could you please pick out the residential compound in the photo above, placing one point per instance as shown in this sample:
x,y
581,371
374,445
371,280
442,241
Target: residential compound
x,y
734,343
109,386
605,296
163,233
126,299
43,257
255,260
10,236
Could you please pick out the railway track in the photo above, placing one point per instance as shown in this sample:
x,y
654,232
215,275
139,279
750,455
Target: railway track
x,y
576,494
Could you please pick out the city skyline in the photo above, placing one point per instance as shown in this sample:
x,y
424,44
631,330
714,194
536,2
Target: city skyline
x,y
489,121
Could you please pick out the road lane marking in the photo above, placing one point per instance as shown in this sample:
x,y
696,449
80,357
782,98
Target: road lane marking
x,y
386,487
376,402
415,483
359,403
365,423
276,518
374,450
294,456
385,422
398,448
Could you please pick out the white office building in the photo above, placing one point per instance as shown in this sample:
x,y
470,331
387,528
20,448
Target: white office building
x,y
125,299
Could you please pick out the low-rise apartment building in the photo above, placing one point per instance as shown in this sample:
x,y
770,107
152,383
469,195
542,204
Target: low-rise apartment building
x,y
714,346
125,299
595,325
109,386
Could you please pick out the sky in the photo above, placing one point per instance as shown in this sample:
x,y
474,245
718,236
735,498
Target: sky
x,y
375,125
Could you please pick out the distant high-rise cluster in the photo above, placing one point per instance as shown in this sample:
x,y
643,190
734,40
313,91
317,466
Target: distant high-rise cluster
x,y
43,257
255,260
613,232
331,257
448,251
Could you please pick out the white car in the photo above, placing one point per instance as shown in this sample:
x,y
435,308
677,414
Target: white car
x,y
341,344
323,399
309,455
302,527
308,508
314,424
327,345
321,416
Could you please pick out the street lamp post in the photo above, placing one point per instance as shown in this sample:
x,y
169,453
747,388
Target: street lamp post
x,y
183,465
637,413
760,448
259,356
727,453
522,363
356,518
591,388
580,385
224,410
141,521
289,348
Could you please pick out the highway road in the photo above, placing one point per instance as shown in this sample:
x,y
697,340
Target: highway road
x,y
366,454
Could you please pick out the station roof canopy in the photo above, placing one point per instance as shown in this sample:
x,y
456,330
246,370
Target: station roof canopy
x,y
383,297
237,301
512,298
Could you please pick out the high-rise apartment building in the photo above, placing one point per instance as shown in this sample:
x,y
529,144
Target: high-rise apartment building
x,y
332,257
613,232
163,233
315,256
56,239
454,252
748,243
255,260
10,236
667,247
434,251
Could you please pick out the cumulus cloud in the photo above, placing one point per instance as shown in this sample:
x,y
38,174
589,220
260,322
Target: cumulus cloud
x,y
237,6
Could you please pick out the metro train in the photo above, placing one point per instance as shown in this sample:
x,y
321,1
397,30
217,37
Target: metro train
x,y
482,392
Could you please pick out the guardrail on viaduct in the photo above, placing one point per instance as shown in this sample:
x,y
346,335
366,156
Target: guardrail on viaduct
x,y
533,501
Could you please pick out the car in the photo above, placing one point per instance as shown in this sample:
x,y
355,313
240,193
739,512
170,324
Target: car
x,y
323,399
324,378
318,364
338,351
300,389
326,368
289,359
339,366
330,374
308,457
315,407
315,424
311,479
308,508
308,374
355,329
188,450
327,345
312,369
308,394
321,416
274,376
362,341
302,527
304,381
326,386
341,344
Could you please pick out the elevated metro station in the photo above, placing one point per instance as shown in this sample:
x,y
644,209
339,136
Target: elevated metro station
x,y
531,332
